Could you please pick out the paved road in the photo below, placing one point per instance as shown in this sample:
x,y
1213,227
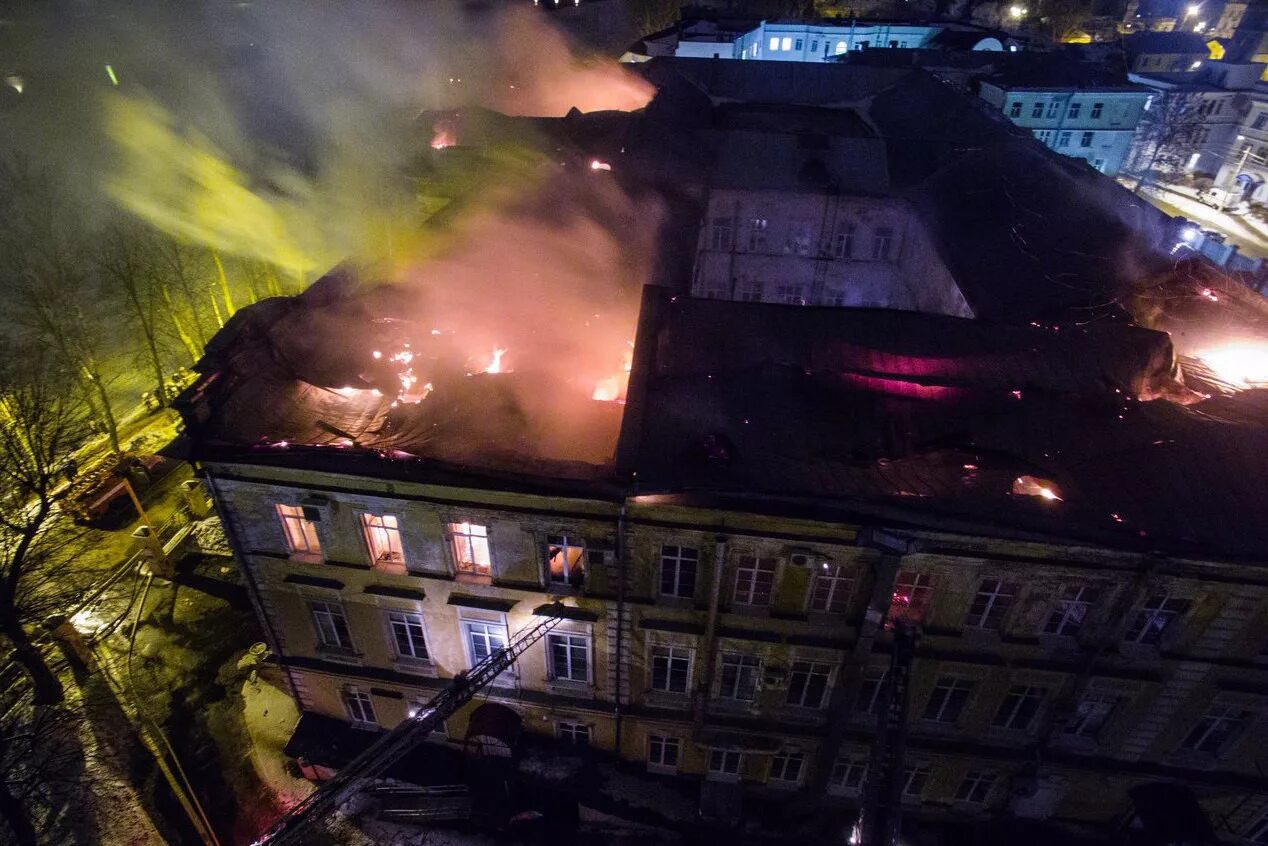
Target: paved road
x,y
1249,235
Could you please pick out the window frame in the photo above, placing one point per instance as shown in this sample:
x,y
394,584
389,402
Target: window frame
x,y
672,656
466,626
920,586
552,666
339,612
378,561
1014,110
565,543
839,776
665,743
1143,628
1216,715
839,586
757,569
783,759
312,547
876,678
365,704
722,234
742,666
1016,699
953,685
998,602
1062,609
573,734
678,559
413,656
1078,725
883,242
976,787
457,529
816,669
723,773
918,776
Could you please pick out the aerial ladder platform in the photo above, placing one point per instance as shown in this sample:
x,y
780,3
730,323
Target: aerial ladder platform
x,y
394,745
883,788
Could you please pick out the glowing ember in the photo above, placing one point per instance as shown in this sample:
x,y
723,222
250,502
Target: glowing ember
x,y
1034,486
443,136
1240,365
596,164
1210,295
495,366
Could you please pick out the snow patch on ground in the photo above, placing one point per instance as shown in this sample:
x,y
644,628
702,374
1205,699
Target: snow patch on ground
x,y
270,716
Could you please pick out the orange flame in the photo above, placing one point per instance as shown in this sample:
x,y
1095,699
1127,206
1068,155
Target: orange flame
x,y
495,366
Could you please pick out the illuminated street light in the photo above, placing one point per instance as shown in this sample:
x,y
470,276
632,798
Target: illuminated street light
x,y
1016,12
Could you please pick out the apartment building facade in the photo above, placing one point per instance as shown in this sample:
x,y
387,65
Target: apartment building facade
x,y
746,648
825,41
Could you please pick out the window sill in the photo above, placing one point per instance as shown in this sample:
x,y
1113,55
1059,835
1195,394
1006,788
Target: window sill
x,y
662,769
342,656
569,685
750,610
415,666
391,568
561,589
473,578
786,786
306,558
728,778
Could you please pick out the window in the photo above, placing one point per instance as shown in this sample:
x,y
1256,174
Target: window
x,y
1014,111
407,634
882,243
785,43
1036,111
975,788
808,684
671,669
799,238
359,706
1086,139
1053,107
797,45
863,44
990,605
574,734
1092,712
912,594
833,296
1097,108
1019,707
831,590
774,43
786,766
1072,113
893,44
725,763
1071,610
757,227
332,626
722,235
1152,620
847,775
662,753
814,46
299,524
471,548
1044,135
914,779
738,678
840,48
754,578
843,242
383,537
873,691
1260,120
1063,140
678,570
566,560
483,639
749,291
791,294
948,699
1215,729
569,657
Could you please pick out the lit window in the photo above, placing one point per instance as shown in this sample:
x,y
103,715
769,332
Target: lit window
x,y
722,235
1071,611
831,591
754,579
990,604
914,779
757,227
671,669
299,524
840,48
407,633
843,242
1096,110
786,767
1072,113
383,537
569,657
975,788
574,734
359,706
471,548
785,43
678,571
483,639
847,775
662,753
774,43
808,684
566,560
912,594
1216,728
948,699
724,764
738,679
1019,707
1155,618
332,626
1014,111
882,243
1092,712
873,690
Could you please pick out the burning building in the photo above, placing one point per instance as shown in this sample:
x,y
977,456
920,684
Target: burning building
x,y
730,525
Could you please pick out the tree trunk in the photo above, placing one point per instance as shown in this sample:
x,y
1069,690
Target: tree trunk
x,y
224,285
186,341
47,687
107,410
14,813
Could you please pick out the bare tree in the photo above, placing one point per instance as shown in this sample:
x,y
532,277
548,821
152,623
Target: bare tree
x,y
1060,19
129,261
41,425
1169,132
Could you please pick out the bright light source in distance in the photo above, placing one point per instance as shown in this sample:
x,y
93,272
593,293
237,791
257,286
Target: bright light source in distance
x,y
1241,365
595,164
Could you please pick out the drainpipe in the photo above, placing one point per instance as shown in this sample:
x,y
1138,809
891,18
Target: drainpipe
x,y
620,621
253,589
710,632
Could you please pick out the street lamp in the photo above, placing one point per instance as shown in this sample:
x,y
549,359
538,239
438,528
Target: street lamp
x,y
1191,10
1016,12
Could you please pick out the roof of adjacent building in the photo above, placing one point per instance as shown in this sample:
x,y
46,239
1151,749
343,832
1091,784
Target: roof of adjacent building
x,y
1140,43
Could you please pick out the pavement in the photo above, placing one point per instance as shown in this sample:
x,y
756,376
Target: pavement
x,y
1250,235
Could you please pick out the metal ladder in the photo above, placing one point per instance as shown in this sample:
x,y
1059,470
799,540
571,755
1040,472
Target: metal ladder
x,y
883,791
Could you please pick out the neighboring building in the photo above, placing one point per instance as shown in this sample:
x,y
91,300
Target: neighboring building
x,y
1165,52
1230,19
1077,113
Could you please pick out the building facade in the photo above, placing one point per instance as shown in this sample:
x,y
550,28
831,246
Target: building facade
x,y
803,41
1096,124
747,648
